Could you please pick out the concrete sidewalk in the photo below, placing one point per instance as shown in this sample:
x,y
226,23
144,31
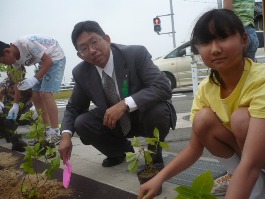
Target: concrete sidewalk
x,y
86,161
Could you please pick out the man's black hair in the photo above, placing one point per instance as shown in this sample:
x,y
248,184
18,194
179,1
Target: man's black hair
x,y
2,47
86,26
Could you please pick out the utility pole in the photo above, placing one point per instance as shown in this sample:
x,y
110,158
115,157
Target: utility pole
x,y
157,24
172,23
220,4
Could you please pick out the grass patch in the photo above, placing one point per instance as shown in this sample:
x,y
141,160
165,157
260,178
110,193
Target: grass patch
x,y
63,94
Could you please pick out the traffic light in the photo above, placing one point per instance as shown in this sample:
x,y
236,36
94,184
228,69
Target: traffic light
x,y
157,24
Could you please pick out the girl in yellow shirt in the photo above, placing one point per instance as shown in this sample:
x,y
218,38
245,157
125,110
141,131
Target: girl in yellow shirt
x,y
228,112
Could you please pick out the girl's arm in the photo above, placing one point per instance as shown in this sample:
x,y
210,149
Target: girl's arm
x,y
182,161
252,161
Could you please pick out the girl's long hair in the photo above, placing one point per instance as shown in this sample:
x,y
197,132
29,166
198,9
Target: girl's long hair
x,y
215,24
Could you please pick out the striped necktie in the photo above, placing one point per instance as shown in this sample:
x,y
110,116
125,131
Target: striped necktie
x,y
112,98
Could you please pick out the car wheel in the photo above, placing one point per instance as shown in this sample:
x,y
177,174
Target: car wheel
x,y
172,80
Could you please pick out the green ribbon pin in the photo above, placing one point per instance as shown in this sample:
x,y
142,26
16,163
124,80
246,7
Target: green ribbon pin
x,y
125,88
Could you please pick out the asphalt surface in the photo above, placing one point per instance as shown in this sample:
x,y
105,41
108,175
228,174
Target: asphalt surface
x,y
178,138
86,160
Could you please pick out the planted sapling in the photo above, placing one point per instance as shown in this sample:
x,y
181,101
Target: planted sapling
x,y
200,189
33,181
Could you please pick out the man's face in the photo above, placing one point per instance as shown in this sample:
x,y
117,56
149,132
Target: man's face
x,y
93,48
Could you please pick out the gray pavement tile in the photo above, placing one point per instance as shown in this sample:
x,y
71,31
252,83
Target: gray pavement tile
x,y
86,161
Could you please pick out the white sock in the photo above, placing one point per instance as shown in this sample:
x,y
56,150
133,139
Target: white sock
x,y
48,130
231,163
258,191
56,130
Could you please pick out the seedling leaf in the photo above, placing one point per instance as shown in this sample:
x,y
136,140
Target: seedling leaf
x,y
204,183
130,156
156,133
164,145
184,192
151,141
54,165
132,166
135,142
200,189
147,157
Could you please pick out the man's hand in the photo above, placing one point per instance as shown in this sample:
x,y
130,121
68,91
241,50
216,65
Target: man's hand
x,y
1,107
12,114
65,147
114,113
27,83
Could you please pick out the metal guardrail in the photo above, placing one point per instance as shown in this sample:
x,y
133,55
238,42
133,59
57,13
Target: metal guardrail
x,y
196,78
67,86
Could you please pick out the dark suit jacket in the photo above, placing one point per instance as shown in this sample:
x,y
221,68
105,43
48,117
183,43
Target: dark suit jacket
x,y
147,84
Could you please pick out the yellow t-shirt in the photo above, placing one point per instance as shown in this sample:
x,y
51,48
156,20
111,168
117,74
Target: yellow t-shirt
x,y
250,92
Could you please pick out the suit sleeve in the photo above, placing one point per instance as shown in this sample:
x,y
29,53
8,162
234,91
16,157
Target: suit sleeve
x,y
155,85
77,104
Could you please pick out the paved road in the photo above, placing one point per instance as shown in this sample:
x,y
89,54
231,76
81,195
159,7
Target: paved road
x,y
116,176
177,138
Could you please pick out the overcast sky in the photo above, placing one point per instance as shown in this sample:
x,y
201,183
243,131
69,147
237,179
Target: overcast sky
x,y
126,21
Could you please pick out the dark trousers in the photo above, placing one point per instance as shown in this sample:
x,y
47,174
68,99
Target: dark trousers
x,y
112,142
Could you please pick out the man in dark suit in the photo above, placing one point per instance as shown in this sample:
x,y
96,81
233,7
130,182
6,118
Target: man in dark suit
x,y
143,97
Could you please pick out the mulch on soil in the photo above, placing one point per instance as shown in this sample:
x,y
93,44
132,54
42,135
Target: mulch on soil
x,y
82,187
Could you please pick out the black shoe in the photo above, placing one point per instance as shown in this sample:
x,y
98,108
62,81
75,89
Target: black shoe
x,y
10,124
23,122
7,137
110,162
17,143
130,149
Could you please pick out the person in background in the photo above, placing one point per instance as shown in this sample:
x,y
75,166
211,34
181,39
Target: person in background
x,y
7,93
45,51
244,9
228,112
130,93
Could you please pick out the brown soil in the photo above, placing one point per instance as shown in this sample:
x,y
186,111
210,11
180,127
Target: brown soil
x,y
81,187
11,178
148,173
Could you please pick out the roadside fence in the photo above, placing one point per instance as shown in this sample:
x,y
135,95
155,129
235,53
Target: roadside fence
x,y
67,86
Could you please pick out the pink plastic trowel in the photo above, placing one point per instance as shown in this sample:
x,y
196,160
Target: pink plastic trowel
x,y
67,174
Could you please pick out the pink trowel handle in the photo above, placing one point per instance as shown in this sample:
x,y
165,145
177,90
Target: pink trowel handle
x,y
67,174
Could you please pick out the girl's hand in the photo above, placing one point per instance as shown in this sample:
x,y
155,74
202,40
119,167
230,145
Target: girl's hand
x,y
149,189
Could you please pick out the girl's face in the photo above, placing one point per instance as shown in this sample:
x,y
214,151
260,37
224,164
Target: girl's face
x,y
223,54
